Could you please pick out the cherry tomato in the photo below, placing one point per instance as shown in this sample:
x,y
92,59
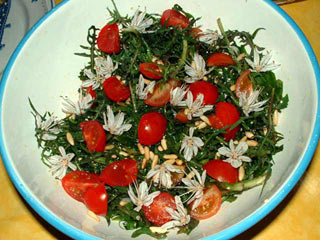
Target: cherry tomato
x,y
152,127
108,40
96,199
196,32
94,135
226,114
77,182
150,70
156,212
173,18
120,173
115,90
182,117
243,84
221,171
209,205
161,93
209,91
91,92
220,60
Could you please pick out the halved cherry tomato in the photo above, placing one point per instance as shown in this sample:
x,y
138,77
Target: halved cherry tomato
x,y
171,17
115,90
96,199
243,84
91,92
77,182
156,212
195,32
108,40
150,70
161,93
221,171
220,60
226,114
120,173
209,205
182,117
152,127
209,91
94,135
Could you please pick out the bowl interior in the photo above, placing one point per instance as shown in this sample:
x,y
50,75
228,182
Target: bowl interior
x,y
44,67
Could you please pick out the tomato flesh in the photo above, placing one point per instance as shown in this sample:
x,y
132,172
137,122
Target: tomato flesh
x,y
243,84
150,70
156,212
94,135
182,117
171,17
209,91
120,173
209,205
152,127
220,60
115,90
77,182
96,199
108,40
221,171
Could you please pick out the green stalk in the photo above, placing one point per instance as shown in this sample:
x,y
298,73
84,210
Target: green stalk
x,y
182,60
244,185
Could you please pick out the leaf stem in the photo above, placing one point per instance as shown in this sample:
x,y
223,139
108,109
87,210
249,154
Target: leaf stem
x,y
182,60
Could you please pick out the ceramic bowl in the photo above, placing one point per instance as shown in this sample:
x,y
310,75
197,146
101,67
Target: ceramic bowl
x,y
44,67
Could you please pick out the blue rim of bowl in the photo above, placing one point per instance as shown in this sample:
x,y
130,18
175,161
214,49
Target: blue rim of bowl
x,y
225,234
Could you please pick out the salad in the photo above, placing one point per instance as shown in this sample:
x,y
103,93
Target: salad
x,y
172,120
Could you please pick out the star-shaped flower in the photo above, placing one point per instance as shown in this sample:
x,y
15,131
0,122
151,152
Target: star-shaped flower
x,y
48,127
79,107
235,155
139,23
115,124
196,108
141,90
250,103
261,65
177,96
180,216
104,69
197,70
143,198
190,145
60,163
209,36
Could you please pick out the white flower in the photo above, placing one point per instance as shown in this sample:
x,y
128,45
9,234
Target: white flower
x,y
196,187
142,92
234,155
177,96
104,69
197,69
249,103
115,124
48,127
196,108
59,164
261,65
180,216
190,145
79,107
143,198
209,36
138,23
162,174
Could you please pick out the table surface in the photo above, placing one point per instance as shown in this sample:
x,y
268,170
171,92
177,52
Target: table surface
x,y
297,217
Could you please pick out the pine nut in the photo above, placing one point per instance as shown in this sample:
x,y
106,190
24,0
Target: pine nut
x,y
241,56
108,147
243,139
146,153
241,173
275,117
118,77
158,230
151,155
70,138
124,153
205,119
160,148
170,161
236,142
249,134
113,156
141,150
265,131
154,59
202,125
190,175
197,123
218,155
186,111
252,143
123,82
124,202
147,81
205,78
160,62
128,101
144,163
155,161
233,88
170,156
93,216
179,162
164,144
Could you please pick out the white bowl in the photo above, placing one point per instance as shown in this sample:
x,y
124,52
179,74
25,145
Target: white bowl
x,y
44,67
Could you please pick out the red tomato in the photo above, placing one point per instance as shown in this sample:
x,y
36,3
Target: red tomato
x,y
195,32
209,205
91,92
96,199
94,135
109,39
156,212
77,182
243,84
182,117
161,93
221,171
152,127
209,91
226,114
173,18
115,90
150,70
220,60
120,173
